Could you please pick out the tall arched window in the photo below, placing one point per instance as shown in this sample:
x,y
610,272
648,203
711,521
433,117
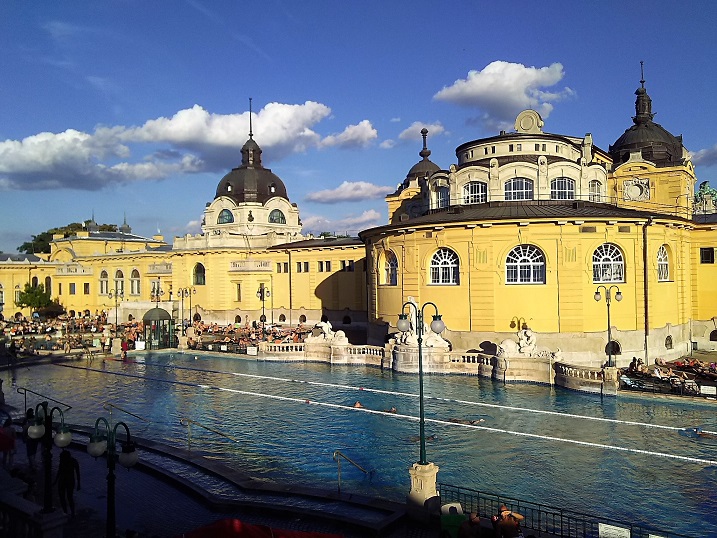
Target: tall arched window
x,y
519,188
444,267
48,285
390,269
225,217
475,192
663,264
35,282
595,188
134,288
199,276
525,264
277,217
562,188
2,295
104,283
119,282
608,264
442,197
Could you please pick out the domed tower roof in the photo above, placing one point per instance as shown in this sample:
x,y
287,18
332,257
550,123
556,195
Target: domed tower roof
x,y
654,142
425,167
251,182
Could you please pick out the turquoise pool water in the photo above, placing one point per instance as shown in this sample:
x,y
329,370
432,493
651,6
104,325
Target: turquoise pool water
x,y
286,420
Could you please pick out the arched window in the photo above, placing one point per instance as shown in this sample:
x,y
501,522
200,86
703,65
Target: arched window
x,y
562,188
608,264
302,318
225,217
444,267
519,188
48,285
2,295
282,318
277,217
35,282
237,319
475,192
442,197
668,342
104,283
390,269
347,320
198,275
663,264
119,282
525,264
134,288
595,188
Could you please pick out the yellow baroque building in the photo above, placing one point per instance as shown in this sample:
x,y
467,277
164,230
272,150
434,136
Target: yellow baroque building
x,y
549,233
520,232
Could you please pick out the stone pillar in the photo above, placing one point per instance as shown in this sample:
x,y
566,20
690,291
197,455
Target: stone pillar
x,y
423,501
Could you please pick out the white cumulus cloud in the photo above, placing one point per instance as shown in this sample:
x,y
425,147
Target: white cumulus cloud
x,y
360,135
502,89
705,157
413,132
349,191
350,225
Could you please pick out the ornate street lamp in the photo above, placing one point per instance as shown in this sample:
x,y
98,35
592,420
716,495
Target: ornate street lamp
x,y
186,292
618,297
101,442
42,430
117,295
263,294
437,327
158,291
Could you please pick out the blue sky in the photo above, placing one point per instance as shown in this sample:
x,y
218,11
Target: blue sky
x,y
139,108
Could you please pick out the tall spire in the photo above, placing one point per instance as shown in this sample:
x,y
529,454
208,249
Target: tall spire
x,y
250,133
425,152
643,103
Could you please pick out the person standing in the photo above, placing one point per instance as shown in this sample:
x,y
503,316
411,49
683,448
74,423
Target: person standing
x,y
65,480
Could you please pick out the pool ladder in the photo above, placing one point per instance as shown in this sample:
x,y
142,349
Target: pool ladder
x,y
338,455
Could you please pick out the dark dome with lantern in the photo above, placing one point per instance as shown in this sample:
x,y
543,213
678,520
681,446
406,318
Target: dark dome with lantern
x,y
425,167
655,143
251,182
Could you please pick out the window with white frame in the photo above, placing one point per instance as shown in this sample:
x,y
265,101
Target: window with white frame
x,y
562,188
225,217
444,267
519,188
104,283
595,191
475,192
443,195
199,275
119,282
525,264
390,269
663,264
608,264
17,294
277,217
134,282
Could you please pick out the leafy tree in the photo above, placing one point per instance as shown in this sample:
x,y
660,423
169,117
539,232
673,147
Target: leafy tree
x,y
34,297
40,244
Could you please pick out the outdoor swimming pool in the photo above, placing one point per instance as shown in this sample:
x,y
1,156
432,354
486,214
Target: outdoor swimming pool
x,y
535,442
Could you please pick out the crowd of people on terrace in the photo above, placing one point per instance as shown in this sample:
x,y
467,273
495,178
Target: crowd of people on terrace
x,y
246,335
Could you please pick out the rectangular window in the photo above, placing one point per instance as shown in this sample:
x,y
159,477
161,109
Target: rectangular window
x,y
492,149
557,149
278,268
286,267
485,151
72,288
239,293
510,147
519,147
328,266
537,147
59,290
707,255
321,267
17,294
543,147
87,288
298,267
306,267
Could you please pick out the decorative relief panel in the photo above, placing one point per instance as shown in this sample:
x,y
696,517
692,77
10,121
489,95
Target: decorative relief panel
x,y
636,190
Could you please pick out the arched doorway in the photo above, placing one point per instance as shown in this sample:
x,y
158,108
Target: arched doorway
x,y
159,329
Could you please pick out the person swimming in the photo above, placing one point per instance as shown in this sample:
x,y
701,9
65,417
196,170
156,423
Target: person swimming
x,y
466,421
358,404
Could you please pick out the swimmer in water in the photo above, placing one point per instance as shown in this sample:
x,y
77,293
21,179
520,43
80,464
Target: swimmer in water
x,y
392,410
358,404
464,421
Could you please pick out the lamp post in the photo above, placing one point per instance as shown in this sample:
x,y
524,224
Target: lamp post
x,y
186,292
618,297
158,291
101,442
42,430
263,293
437,327
117,295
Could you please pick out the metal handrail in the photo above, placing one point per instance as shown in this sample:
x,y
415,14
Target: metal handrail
x,y
24,391
337,458
544,519
187,422
109,406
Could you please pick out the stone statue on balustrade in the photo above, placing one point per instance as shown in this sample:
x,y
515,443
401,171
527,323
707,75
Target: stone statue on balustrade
x,y
525,347
327,335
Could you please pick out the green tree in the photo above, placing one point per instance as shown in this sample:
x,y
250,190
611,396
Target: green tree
x,y
34,298
40,244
